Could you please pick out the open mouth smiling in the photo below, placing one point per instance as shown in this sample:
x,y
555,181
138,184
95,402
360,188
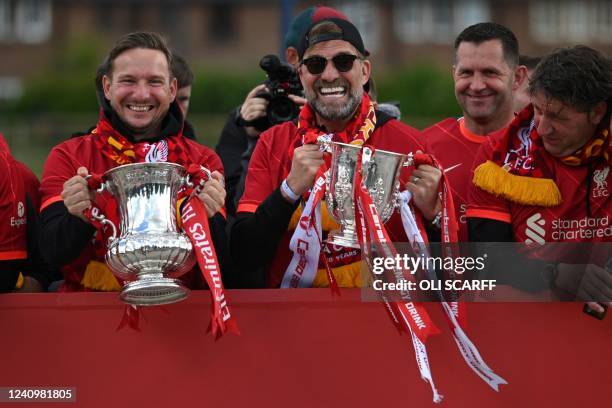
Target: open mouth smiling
x,y
333,91
140,108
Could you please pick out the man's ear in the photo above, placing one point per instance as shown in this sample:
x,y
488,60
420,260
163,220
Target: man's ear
x,y
597,113
291,56
520,77
366,70
106,84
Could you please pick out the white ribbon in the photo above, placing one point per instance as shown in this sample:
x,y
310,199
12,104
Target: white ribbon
x,y
466,347
420,352
471,355
305,244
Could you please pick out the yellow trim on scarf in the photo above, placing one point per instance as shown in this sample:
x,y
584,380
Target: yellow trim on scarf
x,y
19,283
118,146
97,276
327,222
347,276
519,189
114,143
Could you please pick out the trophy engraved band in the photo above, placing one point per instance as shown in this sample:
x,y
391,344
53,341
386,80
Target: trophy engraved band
x,y
148,250
380,170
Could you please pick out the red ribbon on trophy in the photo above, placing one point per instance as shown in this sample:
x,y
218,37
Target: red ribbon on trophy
x,y
408,316
195,224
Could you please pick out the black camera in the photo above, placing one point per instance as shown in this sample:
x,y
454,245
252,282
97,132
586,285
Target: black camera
x,y
282,80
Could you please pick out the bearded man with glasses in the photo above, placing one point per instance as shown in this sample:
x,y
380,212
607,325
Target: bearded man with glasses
x,y
333,70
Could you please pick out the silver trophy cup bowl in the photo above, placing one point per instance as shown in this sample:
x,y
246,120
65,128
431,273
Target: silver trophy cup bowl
x,y
148,250
380,172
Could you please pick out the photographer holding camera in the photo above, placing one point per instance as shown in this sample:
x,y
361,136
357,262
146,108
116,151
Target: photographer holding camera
x,y
275,101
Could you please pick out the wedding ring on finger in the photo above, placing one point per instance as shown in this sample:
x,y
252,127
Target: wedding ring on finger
x,y
415,179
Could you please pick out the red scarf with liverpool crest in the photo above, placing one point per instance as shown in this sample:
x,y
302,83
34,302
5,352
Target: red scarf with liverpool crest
x,y
517,170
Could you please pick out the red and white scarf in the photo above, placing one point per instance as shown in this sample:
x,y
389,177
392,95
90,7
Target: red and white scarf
x,y
408,316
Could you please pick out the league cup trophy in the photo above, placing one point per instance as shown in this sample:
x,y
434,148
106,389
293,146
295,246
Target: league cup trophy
x,y
148,250
380,172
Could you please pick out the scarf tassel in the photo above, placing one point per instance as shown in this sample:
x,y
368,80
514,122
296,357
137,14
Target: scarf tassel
x,y
519,189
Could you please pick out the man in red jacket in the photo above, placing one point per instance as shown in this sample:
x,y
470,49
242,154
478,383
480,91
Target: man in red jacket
x,y
547,179
486,74
140,121
333,70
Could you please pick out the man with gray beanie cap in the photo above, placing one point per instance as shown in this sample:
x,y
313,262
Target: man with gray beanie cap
x,y
333,69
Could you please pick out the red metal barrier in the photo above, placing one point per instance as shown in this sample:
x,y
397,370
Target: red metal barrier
x,y
298,348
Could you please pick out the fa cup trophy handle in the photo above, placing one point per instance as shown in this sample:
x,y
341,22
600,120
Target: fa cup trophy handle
x,y
95,214
198,175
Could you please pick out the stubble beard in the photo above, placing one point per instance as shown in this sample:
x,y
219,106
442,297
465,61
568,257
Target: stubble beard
x,y
335,111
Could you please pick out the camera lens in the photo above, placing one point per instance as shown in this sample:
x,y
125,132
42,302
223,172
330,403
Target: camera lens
x,y
281,110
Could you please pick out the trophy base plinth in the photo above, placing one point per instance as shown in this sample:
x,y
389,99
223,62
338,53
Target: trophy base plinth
x,y
153,292
343,237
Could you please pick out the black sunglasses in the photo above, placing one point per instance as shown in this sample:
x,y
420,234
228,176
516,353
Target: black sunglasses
x,y
316,64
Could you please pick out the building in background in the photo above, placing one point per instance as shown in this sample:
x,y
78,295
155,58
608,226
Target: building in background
x,y
49,50
236,33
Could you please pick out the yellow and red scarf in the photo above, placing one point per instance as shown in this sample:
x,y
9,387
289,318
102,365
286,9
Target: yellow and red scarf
x,y
119,149
533,184
356,132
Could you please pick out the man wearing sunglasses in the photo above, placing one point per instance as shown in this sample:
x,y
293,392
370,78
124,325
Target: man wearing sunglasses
x,y
333,70
239,137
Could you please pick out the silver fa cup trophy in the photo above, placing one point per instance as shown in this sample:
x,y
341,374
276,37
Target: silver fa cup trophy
x,y
380,172
148,250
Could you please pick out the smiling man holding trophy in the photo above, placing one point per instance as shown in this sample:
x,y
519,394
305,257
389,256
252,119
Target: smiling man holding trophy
x,y
373,157
333,69
138,154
